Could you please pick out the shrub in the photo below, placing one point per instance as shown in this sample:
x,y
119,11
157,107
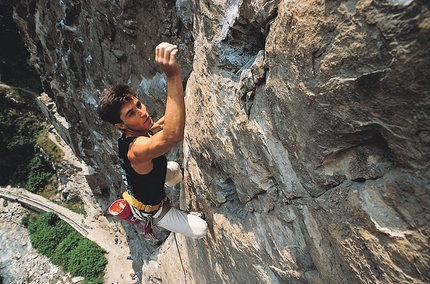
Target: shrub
x,y
47,232
25,220
56,239
40,174
87,259
61,256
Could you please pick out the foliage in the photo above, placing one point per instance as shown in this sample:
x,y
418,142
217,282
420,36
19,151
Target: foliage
x,y
47,232
85,260
62,256
20,123
56,239
40,174
22,133
30,217
25,220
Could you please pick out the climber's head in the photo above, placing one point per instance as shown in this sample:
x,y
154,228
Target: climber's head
x,y
113,99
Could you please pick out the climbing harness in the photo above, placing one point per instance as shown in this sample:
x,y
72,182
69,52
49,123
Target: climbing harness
x,y
140,211
125,210
127,195
146,223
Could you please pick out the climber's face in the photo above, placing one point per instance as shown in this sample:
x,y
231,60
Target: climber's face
x,y
135,117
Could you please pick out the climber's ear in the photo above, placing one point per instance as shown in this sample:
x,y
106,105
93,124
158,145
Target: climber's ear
x,y
121,126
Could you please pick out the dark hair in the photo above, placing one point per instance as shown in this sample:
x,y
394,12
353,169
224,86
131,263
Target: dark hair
x,y
113,98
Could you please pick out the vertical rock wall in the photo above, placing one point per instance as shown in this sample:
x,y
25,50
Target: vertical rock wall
x,y
307,138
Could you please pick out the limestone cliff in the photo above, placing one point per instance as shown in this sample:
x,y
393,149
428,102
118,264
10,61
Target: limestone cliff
x,y
308,132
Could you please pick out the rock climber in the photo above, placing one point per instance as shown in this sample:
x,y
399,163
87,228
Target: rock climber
x,y
143,145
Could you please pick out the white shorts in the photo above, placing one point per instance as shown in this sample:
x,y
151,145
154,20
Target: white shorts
x,y
176,220
183,223
173,174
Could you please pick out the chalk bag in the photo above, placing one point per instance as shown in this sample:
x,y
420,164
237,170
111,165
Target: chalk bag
x,y
121,209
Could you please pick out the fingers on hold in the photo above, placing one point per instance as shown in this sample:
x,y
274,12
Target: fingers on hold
x,y
157,53
173,53
164,51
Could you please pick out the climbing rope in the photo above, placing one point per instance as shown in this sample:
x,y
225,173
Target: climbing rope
x,y
180,258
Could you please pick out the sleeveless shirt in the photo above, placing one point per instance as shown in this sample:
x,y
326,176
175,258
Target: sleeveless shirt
x,y
148,188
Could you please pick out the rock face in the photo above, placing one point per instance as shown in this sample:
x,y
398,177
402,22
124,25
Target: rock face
x,y
308,133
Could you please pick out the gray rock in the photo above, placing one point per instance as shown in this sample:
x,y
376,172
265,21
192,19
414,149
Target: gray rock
x,y
307,134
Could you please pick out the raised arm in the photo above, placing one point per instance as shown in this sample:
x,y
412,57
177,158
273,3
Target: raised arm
x,y
144,149
174,116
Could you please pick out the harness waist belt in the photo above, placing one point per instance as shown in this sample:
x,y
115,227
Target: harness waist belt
x,y
139,205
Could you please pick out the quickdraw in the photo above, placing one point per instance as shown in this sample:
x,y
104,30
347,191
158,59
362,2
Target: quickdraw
x,y
145,223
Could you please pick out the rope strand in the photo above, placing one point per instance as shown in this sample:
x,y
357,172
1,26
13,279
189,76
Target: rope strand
x,y
180,258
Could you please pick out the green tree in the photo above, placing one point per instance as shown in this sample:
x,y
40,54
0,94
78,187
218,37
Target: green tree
x,y
40,174
47,232
62,253
87,260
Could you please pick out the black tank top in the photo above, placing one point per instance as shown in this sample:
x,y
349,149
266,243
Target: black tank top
x,y
149,188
